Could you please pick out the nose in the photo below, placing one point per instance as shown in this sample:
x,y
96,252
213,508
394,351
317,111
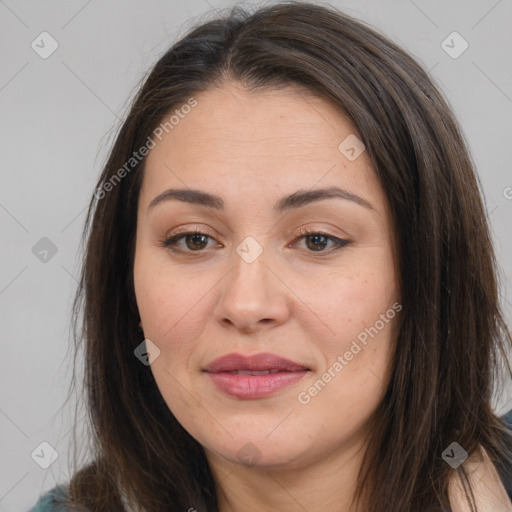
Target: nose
x,y
254,296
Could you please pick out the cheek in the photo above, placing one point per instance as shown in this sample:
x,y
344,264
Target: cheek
x,y
348,303
356,358
165,299
355,322
170,312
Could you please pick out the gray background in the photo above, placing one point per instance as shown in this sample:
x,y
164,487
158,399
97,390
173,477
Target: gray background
x,y
57,119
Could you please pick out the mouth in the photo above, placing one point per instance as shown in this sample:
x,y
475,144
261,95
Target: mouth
x,y
264,362
252,377
252,372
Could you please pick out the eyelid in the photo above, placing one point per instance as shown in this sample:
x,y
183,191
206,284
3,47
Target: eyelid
x,y
338,241
194,230
170,241
310,230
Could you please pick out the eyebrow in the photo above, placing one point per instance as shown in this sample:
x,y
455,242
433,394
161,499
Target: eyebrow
x,y
296,200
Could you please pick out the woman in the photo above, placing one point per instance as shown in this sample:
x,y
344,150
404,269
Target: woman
x,y
289,296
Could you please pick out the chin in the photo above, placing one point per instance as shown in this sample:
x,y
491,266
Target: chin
x,y
260,452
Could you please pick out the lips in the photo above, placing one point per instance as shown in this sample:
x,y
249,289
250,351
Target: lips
x,y
258,364
254,377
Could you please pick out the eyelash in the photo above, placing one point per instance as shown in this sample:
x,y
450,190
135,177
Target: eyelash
x,y
171,242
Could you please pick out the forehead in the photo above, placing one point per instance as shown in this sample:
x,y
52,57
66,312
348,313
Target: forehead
x,y
277,119
275,138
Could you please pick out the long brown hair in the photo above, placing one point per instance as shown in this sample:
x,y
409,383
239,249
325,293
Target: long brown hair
x,y
452,337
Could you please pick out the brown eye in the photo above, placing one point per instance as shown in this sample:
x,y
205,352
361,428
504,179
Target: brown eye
x,y
195,241
317,241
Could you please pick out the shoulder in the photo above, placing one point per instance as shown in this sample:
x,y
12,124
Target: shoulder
x,y
52,501
508,419
492,491
506,476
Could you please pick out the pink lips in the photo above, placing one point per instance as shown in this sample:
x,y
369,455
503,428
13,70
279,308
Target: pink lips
x,y
255,376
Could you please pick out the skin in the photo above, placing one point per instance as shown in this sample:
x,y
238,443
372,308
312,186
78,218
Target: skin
x,y
488,491
252,148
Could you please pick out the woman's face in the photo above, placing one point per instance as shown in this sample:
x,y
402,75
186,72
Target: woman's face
x,y
252,283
